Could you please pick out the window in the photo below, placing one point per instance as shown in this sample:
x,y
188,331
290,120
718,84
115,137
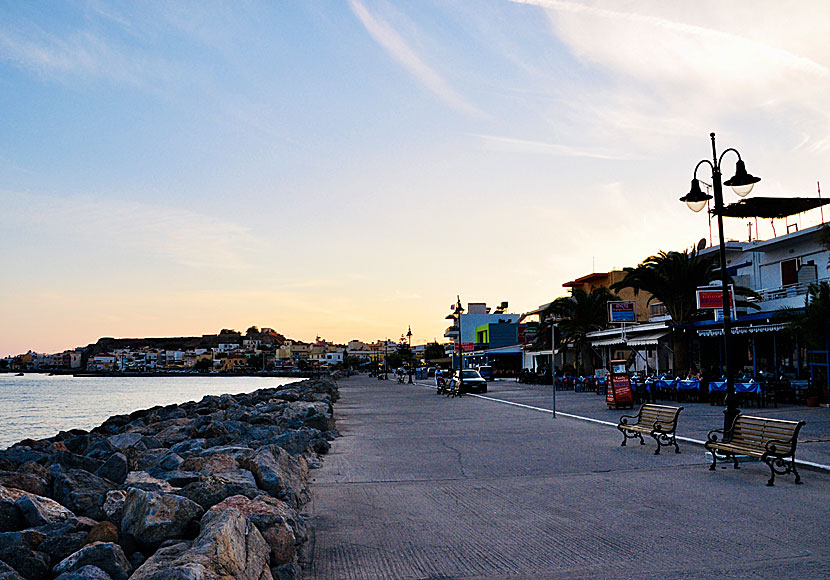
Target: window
x,y
789,272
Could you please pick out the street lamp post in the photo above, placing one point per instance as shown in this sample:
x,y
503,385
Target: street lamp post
x,y
385,357
411,357
741,184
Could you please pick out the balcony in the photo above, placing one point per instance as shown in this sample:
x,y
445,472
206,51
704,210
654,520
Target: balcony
x,y
790,296
451,331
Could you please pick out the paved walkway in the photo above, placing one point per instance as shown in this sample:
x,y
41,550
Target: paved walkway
x,y
424,487
696,419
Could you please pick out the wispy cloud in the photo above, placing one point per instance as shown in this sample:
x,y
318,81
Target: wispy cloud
x,y
514,145
183,237
386,36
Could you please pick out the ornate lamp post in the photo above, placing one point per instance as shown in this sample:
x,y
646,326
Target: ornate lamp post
x,y
741,184
411,355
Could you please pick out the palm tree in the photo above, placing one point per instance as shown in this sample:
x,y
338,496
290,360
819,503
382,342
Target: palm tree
x,y
577,315
673,278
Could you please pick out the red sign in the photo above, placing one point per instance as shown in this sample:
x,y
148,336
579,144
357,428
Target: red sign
x,y
468,346
619,392
713,298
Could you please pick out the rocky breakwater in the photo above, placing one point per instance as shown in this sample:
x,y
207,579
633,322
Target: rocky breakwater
x,y
203,490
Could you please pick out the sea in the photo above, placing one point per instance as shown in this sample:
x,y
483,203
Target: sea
x,y
37,406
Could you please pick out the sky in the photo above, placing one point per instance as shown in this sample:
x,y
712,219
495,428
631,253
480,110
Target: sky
x,y
347,168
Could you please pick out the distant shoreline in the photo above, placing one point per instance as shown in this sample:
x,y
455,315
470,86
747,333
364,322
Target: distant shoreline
x,y
281,374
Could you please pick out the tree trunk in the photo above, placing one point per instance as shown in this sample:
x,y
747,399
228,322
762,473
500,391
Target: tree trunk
x,y
680,352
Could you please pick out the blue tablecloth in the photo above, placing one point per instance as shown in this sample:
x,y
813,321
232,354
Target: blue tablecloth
x,y
689,384
666,384
750,387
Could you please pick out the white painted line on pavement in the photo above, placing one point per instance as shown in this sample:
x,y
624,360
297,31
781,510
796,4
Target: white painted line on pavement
x,y
601,422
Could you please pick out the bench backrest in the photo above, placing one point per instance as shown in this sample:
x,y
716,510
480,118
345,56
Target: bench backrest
x,y
662,414
760,430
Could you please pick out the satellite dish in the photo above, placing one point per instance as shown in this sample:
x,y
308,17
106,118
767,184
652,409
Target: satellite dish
x,y
701,244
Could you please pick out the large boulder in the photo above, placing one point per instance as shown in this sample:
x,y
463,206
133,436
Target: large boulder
x,y
11,519
69,460
81,491
229,547
8,573
281,474
40,511
115,468
114,506
85,573
30,482
302,440
108,557
212,489
18,550
272,522
145,481
152,517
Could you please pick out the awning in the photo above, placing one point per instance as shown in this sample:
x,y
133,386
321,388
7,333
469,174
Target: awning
x,y
771,207
648,339
608,341
745,329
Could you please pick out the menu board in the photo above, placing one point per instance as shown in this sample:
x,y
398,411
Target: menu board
x,y
619,392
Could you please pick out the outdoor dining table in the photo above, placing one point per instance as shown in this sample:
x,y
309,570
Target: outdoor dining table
x,y
689,384
750,387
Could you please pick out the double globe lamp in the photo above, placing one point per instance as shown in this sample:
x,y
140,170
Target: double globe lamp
x,y
741,184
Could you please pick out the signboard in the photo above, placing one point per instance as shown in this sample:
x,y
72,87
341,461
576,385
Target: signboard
x,y
468,346
712,297
621,311
719,315
618,393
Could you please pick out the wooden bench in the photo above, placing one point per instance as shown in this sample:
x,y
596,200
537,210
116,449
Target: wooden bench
x,y
659,421
771,440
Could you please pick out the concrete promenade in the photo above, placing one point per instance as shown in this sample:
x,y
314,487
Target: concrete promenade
x,y
424,487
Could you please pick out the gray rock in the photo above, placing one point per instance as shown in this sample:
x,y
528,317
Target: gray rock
x,y
170,462
235,451
29,563
279,473
228,547
213,489
11,519
82,492
188,447
40,511
271,519
71,460
115,468
114,505
145,481
85,573
154,517
8,573
300,441
178,478
127,440
25,481
107,556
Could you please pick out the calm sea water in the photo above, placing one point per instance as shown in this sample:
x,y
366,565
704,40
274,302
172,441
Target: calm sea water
x,y
39,406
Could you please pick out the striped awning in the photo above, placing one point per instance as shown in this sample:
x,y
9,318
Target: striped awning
x,y
648,339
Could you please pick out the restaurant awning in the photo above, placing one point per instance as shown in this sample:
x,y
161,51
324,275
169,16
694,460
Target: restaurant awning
x,y
648,339
771,207
751,329
608,341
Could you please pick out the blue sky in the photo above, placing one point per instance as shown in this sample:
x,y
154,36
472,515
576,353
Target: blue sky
x,y
346,168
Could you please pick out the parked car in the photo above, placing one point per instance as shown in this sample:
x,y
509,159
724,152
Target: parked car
x,y
471,382
486,372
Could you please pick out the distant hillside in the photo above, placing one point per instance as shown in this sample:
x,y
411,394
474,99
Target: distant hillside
x,y
267,336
